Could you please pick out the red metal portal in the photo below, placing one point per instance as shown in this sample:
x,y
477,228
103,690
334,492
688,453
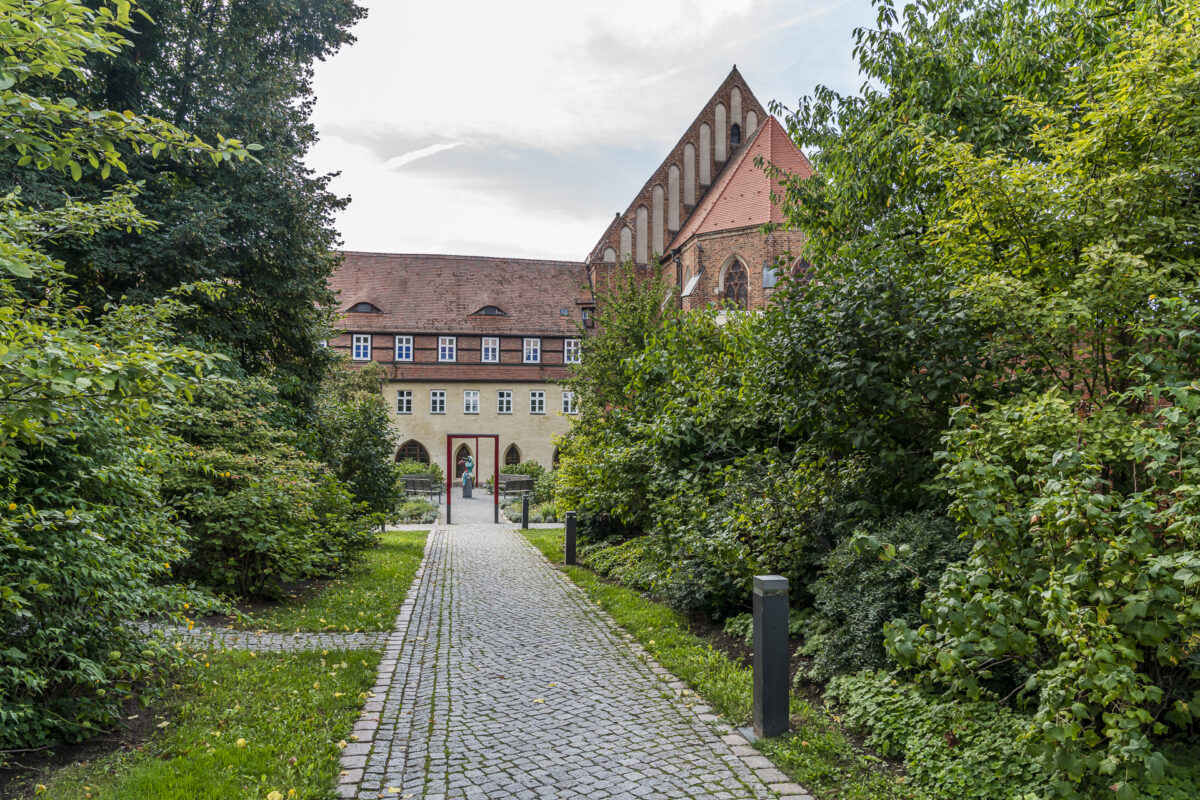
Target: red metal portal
x,y
495,437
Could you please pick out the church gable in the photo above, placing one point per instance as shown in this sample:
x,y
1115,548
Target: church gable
x,y
659,211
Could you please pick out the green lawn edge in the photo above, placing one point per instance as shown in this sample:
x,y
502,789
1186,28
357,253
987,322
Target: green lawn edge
x,y
366,598
817,754
238,726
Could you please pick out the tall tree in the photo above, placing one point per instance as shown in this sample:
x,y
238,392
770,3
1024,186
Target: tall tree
x,y
233,67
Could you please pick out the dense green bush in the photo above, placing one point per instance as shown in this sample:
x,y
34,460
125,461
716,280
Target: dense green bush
x,y
873,579
998,319
353,435
259,512
85,539
639,563
961,750
1081,597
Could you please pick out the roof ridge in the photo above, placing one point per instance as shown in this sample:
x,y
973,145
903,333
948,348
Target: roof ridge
x,y
518,259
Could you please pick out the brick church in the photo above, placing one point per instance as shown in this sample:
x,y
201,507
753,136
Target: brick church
x,y
480,344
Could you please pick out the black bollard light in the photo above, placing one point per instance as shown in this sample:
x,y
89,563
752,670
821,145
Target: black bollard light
x,y
770,655
569,548
525,512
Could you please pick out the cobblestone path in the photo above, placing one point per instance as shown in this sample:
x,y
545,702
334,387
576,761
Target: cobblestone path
x,y
503,681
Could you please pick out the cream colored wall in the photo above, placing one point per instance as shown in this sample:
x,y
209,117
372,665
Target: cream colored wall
x,y
533,434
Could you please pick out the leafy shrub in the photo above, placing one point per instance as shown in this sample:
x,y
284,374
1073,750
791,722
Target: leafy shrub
x,y
418,512
411,467
873,579
259,513
968,750
538,512
84,537
742,625
1081,596
85,544
638,563
353,435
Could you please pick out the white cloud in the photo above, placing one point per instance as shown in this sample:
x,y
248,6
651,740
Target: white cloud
x,y
417,155
571,80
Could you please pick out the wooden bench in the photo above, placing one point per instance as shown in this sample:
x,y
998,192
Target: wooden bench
x,y
423,484
515,484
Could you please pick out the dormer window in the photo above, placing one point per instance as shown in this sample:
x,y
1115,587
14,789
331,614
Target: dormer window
x,y
489,311
364,308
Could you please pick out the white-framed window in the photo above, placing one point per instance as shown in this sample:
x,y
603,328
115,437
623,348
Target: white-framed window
x,y
504,402
568,403
537,402
404,401
404,348
362,347
490,352
447,348
533,351
471,401
437,401
571,351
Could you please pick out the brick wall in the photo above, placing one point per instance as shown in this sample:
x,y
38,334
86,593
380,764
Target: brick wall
x,y
712,251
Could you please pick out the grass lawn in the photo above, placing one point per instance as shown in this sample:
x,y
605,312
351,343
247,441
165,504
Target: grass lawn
x,y
818,754
238,725
366,599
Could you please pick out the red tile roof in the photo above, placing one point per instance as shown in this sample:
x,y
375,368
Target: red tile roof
x,y
442,293
741,196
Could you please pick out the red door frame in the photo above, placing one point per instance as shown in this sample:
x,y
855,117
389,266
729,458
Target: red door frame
x,y
495,437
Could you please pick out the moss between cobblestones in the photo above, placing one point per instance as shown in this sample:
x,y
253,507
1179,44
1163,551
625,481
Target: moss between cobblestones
x,y
817,754
238,726
366,599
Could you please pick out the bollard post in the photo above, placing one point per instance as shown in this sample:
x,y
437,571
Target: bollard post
x,y
569,548
525,512
770,655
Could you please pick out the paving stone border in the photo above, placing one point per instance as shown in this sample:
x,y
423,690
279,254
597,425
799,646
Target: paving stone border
x,y
777,781
354,755
265,641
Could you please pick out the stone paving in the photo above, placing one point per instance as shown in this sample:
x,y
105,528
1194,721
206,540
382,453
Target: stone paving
x,y
502,680
265,641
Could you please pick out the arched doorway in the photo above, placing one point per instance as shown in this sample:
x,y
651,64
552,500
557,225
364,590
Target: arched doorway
x,y
512,456
412,450
459,459
737,285
554,459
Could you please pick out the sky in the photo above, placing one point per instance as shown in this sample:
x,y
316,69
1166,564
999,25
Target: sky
x,y
519,128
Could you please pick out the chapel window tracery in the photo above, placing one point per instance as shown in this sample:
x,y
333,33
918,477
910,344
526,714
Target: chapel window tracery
x,y
737,290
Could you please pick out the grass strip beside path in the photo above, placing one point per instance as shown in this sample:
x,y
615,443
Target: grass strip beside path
x,y
365,599
817,754
240,727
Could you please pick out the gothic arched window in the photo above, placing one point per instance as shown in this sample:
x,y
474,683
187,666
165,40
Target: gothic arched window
x,y
460,460
412,450
512,456
737,290
735,136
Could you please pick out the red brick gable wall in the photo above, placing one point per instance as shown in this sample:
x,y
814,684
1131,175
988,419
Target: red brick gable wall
x,y
612,236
